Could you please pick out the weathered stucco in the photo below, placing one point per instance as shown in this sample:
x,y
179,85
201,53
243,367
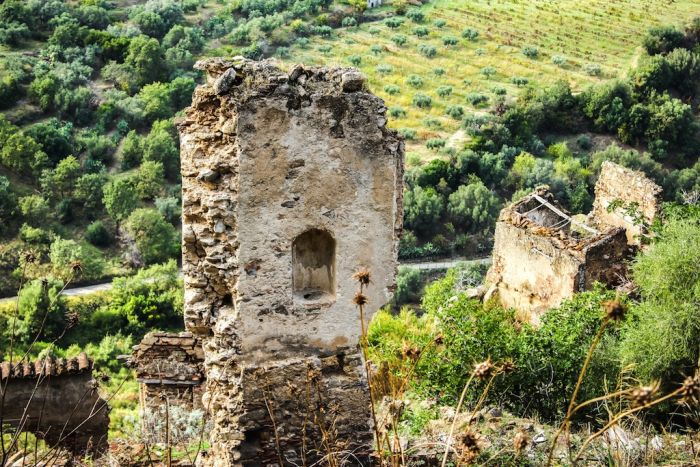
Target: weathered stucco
x,y
539,259
58,400
288,179
634,191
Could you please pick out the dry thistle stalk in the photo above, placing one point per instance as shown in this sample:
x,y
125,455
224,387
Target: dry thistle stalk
x,y
363,277
468,446
643,395
520,442
360,299
614,309
690,390
484,369
508,366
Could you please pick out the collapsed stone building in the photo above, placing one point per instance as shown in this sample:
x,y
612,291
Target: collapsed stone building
x,y
58,401
542,254
169,365
291,183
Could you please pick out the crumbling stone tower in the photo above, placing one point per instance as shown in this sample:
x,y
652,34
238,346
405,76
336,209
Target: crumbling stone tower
x,y
291,182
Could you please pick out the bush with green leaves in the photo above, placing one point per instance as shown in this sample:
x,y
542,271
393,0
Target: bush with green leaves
x,y
530,52
150,299
592,69
120,198
355,60
663,39
423,209
155,238
392,89
376,49
393,22
449,41
422,101
399,39
348,22
427,51
444,91
473,207
440,23
415,15
79,260
488,72
384,69
98,234
149,180
397,112
35,209
409,283
435,143
477,99
559,60
169,208
407,133
455,111
662,338
414,81
42,312
519,81
470,34
421,31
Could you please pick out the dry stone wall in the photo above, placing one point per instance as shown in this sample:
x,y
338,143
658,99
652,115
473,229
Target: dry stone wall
x,y
291,183
639,200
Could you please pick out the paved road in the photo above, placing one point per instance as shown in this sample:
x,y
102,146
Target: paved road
x,y
440,264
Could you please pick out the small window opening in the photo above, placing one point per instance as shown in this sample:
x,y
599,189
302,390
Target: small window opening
x,y
313,265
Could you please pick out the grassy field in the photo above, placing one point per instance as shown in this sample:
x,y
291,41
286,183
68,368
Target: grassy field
x,y
581,42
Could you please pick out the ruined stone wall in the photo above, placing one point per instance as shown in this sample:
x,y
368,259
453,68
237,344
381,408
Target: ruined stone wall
x,y
169,365
285,175
58,401
539,260
617,183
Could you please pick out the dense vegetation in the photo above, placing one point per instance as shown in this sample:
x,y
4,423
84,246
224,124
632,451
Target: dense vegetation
x,y
657,340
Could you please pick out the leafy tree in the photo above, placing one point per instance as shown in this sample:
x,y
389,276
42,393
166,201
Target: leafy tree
x,y
146,58
8,202
59,183
55,138
35,209
120,198
160,146
471,34
473,206
607,105
70,257
19,151
422,101
151,298
662,39
423,209
169,208
131,150
98,235
88,192
149,179
399,39
155,238
42,311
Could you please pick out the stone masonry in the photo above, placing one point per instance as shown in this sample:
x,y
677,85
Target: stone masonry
x,y
638,197
169,365
291,183
541,256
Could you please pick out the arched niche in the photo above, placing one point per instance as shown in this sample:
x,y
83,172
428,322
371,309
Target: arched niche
x,y
313,266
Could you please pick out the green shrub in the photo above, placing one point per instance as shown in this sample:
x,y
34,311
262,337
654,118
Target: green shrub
x,y
409,282
399,39
455,111
415,81
427,51
449,40
397,112
98,234
421,31
393,22
559,60
662,339
422,101
444,91
35,235
155,238
79,260
440,23
407,133
488,71
519,81
530,52
384,69
355,60
499,90
476,99
592,69
376,49
439,71
435,143
392,89
349,22
415,15
471,34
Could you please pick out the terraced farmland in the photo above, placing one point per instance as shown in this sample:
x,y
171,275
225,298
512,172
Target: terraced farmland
x,y
518,42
